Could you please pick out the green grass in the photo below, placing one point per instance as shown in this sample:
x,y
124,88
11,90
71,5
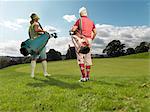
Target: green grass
x,y
138,56
117,85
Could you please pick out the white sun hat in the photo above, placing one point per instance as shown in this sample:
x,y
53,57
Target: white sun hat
x,y
82,9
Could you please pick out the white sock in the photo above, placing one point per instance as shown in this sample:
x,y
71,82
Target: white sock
x,y
44,65
33,65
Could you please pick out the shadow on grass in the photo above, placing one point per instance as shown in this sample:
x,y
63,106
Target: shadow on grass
x,y
118,84
49,81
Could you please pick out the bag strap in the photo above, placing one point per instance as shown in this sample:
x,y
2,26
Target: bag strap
x,y
40,26
29,33
80,25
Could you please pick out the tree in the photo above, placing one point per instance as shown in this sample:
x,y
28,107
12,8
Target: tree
x,y
71,54
143,47
114,49
130,51
53,55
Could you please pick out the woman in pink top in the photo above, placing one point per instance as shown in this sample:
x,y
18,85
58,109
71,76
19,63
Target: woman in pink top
x,y
85,27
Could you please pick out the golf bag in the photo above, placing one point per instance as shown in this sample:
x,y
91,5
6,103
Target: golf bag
x,y
80,42
35,46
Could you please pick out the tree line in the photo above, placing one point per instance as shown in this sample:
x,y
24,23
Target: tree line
x,y
114,49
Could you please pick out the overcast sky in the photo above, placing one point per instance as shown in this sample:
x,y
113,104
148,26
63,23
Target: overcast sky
x,y
126,20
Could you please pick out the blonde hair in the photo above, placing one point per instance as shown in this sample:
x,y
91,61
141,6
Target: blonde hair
x,y
83,13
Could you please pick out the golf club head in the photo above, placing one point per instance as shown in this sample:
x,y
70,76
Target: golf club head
x,y
71,33
54,35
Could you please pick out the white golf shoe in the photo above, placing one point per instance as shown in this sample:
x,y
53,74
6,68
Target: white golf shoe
x,y
47,75
87,78
32,75
82,80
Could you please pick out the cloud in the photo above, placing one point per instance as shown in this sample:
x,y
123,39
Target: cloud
x,y
14,25
21,21
51,29
10,48
98,41
131,36
70,18
60,44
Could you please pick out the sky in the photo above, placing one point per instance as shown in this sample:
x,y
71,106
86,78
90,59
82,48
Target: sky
x,y
126,20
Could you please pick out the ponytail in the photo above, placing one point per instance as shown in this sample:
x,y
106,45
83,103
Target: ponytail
x,y
32,21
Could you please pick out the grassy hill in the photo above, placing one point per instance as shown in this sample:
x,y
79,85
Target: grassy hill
x,y
138,56
116,85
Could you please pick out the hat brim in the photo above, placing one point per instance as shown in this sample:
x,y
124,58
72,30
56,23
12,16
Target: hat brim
x,y
36,17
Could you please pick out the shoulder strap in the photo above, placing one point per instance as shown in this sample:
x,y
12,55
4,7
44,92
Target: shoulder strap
x,y
29,32
40,26
80,25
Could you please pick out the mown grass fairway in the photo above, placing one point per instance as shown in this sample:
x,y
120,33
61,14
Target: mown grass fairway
x,y
117,85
